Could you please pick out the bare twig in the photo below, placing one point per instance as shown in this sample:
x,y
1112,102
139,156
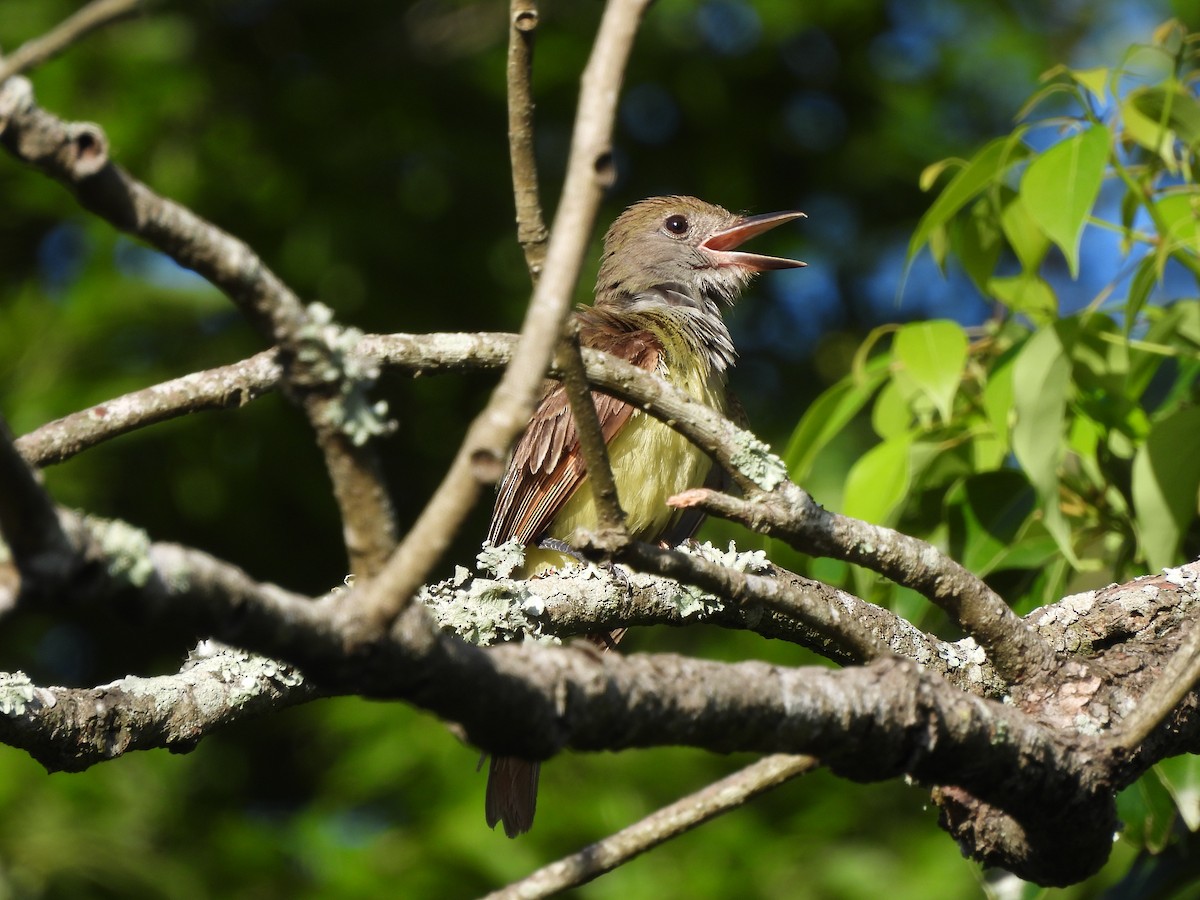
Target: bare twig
x,y
531,227
219,388
480,459
610,518
671,821
95,15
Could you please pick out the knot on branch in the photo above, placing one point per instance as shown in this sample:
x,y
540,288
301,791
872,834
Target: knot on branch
x,y
73,153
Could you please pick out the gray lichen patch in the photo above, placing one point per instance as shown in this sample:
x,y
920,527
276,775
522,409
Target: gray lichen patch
x,y
327,355
501,560
755,460
126,550
16,693
693,601
483,611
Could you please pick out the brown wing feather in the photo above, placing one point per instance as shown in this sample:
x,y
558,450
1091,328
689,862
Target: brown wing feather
x,y
546,467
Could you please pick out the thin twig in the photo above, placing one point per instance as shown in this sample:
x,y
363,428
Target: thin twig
x,y
219,388
95,15
610,518
480,459
669,822
531,226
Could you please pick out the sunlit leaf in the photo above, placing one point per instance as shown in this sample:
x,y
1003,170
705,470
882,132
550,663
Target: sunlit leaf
x,y
1041,380
984,169
1023,233
1060,187
1026,294
891,416
1166,478
830,413
933,354
1181,776
1095,80
878,481
1172,108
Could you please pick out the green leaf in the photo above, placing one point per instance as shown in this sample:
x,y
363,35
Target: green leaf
x,y
1148,811
1023,233
1041,379
1179,213
1171,107
1181,777
977,242
891,416
1140,286
830,413
878,481
984,169
1095,80
1060,188
998,398
934,354
987,513
1166,479
1026,294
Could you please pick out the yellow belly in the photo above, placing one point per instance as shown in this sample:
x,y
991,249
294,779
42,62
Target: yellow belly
x,y
650,462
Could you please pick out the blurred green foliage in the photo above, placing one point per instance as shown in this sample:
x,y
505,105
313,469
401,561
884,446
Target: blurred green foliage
x,y
360,149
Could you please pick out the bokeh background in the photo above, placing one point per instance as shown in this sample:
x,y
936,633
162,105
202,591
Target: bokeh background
x,y
361,150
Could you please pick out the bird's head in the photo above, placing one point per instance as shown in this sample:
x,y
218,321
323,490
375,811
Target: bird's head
x,y
682,241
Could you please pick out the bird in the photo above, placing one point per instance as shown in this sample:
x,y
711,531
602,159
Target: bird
x,y
669,266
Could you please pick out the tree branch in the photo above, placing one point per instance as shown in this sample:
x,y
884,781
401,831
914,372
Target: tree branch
x,y
669,822
610,518
312,349
480,459
28,520
531,228
72,729
74,28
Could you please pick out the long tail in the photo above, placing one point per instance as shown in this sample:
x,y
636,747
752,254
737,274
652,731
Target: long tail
x,y
512,793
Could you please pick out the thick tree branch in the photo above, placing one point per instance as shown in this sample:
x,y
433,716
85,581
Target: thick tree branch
x,y
790,513
671,821
480,459
1032,762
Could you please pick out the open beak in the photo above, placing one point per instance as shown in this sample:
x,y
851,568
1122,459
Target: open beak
x,y
720,246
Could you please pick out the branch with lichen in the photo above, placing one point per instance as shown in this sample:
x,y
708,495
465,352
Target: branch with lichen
x,y
77,156
71,729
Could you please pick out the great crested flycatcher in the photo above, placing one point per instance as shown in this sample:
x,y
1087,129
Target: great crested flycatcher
x,y
669,266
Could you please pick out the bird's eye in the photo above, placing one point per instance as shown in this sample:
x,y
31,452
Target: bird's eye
x,y
676,224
